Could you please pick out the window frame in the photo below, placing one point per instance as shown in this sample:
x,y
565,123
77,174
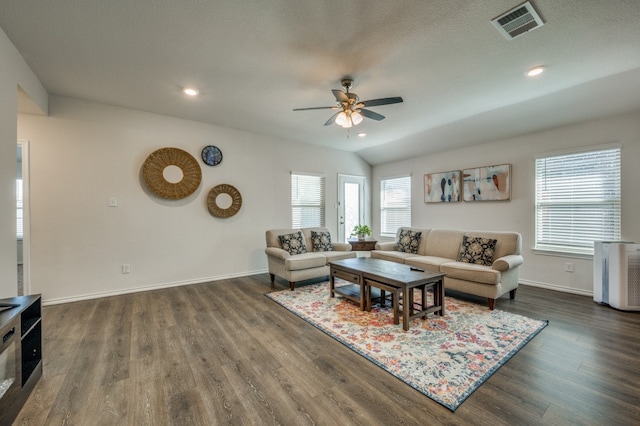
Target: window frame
x,y
385,230
19,209
565,227
299,203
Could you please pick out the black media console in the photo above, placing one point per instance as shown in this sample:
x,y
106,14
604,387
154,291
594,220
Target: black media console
x,y
20,352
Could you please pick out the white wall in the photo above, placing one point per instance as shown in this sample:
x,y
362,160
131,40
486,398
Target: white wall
x,y
14,72
518,214
83,153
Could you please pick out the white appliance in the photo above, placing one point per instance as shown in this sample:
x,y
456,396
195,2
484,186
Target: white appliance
x,y
616,274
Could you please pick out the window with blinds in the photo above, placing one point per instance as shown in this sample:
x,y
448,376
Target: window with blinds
x,y
307,200
577,200
19,208
395,204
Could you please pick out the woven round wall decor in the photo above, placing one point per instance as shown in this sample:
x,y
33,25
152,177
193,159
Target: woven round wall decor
x,y
153,173
236,200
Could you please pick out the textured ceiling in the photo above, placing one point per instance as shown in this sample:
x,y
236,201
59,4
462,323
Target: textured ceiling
x,y
254,61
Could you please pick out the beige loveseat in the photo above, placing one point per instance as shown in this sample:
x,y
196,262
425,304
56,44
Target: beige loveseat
x,y
290,264
439,250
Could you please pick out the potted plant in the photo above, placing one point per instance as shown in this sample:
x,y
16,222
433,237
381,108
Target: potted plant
x,y
362,231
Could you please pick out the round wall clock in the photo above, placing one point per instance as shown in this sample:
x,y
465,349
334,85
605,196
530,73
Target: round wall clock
x,y
211,155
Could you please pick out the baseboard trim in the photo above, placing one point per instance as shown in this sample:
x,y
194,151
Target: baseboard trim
x,y
557,288
61,300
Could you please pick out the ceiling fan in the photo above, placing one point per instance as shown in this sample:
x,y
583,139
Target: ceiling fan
x,y
352,110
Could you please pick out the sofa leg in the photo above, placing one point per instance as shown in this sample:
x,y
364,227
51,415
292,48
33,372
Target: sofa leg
x,y
492,304
512,294
273,278
292,285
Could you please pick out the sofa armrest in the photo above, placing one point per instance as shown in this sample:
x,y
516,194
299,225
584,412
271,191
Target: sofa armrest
x,y
507,262
277,253
341,246
388,246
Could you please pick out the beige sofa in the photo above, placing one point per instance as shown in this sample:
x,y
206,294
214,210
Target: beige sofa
x,y
438,250
302,266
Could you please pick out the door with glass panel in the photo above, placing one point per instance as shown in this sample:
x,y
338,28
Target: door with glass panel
x,y
350,204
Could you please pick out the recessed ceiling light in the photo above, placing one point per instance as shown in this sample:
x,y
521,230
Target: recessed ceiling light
x,y
362,134
190,91
532,72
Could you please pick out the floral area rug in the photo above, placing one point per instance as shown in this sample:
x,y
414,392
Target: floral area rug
x,y
445,358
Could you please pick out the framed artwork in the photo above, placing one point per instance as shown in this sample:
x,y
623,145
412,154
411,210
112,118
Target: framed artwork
x,y
442,187
489,183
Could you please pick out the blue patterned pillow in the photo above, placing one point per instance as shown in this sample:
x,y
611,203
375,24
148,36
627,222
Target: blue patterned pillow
x,y
477,250
409,241
293,243
321,241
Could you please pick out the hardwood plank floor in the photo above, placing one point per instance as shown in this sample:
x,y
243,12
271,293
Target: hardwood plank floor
x,y
222,353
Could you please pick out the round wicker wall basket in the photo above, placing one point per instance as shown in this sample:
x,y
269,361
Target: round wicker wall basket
x,y
212,200
153,173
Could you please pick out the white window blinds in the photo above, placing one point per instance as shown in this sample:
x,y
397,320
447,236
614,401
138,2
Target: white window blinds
x,y
19,209
307,200
577,200
395,204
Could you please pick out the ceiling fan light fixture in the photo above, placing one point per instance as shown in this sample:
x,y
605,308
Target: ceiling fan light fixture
x,y
341,119
356,117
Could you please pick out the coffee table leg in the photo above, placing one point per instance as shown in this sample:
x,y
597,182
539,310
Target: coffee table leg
x,y
332,284
424,300
410,300
405,311
366,288
439,289
395,301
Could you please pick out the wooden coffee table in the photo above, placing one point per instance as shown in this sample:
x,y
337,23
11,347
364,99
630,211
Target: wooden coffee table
x,y
396,278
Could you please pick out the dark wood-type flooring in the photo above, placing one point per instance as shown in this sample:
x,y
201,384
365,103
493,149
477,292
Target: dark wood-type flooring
x,y
222,353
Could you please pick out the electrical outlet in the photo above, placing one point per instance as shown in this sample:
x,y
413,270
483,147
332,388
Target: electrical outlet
x,y
568,267
113,202
126,268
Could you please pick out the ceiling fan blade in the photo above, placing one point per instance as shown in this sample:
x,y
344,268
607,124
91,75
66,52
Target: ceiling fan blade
x,y
331,120
340,95
305,109
371,114
382,101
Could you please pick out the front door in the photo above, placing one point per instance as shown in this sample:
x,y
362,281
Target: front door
x,y
350,204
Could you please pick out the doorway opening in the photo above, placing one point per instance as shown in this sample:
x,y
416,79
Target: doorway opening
x,y
22,217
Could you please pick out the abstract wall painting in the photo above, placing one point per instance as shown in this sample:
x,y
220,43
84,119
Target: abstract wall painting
x,y
490,183
442,187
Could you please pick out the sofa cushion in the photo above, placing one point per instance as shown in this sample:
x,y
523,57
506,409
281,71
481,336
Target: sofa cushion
x,y
471,272
428,263
305,261
293,243
477,250
409,241
390,255
339,255
321,241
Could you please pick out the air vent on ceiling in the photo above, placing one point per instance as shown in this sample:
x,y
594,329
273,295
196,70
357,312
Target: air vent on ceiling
x,y
518,21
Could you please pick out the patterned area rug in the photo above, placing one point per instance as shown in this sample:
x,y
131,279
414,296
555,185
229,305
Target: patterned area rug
x,y
445,358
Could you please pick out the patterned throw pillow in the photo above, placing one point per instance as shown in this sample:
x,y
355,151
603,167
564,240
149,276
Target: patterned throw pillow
x,y
409,241
293,243
321,241
477,250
